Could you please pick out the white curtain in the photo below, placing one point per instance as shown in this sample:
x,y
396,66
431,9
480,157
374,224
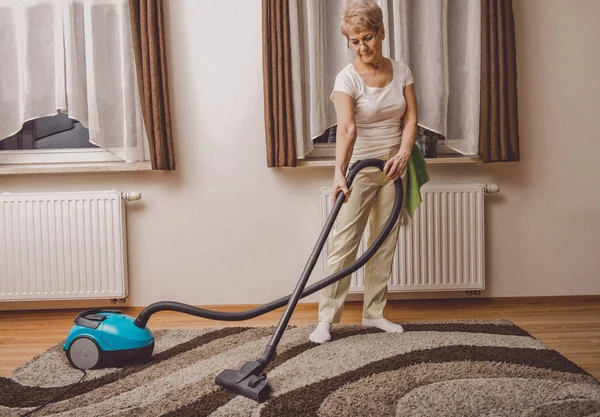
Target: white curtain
x,y
438,39
73,56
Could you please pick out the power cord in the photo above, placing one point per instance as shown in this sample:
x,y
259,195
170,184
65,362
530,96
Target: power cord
x,y
56,397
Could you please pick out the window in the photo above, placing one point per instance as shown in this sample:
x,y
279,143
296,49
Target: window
x,y
53,132
445,60
66,67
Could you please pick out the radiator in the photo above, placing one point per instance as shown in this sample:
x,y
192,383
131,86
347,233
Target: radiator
x,y
441,249
57,246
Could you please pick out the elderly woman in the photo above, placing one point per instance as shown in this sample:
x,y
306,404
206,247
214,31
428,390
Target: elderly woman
x,y
376,113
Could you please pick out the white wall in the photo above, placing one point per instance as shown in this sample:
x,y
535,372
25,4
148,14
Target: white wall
x,y
225,229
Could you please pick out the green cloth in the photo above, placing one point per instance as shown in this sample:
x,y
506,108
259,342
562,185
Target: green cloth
x,y
417,176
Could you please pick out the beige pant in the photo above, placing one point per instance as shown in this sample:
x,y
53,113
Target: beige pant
x,y
372,199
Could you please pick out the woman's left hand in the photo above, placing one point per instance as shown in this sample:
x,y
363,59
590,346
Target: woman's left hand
x,y
395,167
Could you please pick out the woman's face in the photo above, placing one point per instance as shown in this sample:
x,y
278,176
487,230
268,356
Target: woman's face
x,y
366,44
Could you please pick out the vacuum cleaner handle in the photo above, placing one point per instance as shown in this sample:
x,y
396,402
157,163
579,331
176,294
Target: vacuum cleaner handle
x,y
359,165
355,168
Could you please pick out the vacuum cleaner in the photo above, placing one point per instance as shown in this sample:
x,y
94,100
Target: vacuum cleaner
x,y
107,338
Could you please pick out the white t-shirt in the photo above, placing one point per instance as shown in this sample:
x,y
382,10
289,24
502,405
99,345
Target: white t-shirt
x,y
377,111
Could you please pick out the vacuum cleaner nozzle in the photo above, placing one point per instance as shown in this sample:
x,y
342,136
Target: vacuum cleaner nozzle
x,y
249,381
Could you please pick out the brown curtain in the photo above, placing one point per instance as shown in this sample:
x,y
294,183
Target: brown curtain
x,y
277,84
148,27
498,131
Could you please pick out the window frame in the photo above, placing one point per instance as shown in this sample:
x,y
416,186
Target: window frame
x,y
446,156
64,160
56,156
327,150
68,160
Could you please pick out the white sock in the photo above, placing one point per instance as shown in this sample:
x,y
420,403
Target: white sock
x,y
321,333
383,324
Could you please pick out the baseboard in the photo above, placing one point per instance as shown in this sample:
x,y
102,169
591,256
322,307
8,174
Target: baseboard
x,y
352,298
58,305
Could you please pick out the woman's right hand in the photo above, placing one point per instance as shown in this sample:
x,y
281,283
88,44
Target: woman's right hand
x,y
339,184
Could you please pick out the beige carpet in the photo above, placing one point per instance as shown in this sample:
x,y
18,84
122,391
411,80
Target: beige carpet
x,y
459,368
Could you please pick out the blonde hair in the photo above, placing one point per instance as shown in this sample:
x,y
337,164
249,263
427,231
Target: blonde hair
x,y
361,14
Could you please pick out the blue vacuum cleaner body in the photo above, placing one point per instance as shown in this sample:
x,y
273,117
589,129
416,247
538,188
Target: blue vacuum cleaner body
x,y
107,338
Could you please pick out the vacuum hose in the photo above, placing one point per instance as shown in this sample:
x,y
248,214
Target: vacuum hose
x,y
144,316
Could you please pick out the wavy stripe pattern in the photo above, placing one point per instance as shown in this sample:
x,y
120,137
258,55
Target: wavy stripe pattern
x,y
433,369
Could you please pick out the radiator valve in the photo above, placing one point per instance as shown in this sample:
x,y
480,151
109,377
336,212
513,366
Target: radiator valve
x,y
131,195
491,188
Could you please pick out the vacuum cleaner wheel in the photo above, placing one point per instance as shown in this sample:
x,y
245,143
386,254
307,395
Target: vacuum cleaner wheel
x,y
84,353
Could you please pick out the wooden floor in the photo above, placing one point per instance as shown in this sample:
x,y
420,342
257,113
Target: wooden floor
x,y
570,325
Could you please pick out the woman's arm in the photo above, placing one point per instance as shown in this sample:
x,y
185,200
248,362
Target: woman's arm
x,y
409,135
396,166
345,138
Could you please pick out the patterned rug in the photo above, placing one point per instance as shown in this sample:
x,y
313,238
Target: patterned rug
x,y
459,368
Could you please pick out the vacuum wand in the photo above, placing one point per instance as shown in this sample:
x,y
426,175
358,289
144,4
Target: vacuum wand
x,y
312,260
250,379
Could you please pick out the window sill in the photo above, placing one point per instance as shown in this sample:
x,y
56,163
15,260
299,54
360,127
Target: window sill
x,y
441,160
59,168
